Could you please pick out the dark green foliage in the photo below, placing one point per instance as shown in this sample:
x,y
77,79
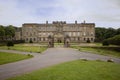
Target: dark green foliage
x,y
105,43
10,31
105,33
117,49
7,32
2,31
114,40
10,43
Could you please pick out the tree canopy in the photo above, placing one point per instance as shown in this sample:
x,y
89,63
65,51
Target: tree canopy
x,y
105,33
6,31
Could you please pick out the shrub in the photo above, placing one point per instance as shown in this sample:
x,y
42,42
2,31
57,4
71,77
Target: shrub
x,y
114,40
10,43
105,43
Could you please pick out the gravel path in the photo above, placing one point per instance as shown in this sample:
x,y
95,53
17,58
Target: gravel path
x,y
48,58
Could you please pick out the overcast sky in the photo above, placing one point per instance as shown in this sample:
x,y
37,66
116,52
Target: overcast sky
x,y
104,13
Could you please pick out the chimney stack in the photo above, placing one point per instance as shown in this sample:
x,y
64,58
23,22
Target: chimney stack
x,y
46,22
75,22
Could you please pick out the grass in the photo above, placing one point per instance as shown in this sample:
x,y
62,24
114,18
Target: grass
x,y
98,50
76,70
21,47
11,57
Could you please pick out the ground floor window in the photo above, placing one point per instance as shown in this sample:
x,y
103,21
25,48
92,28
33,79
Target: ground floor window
x,y
34,39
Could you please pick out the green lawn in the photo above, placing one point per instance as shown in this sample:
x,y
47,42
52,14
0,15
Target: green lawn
x,y
18,47
11,57
107,52
76,70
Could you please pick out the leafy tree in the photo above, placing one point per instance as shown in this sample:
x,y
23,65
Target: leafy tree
x,y
100,34
118,31
2,32
10,31
114,40
110,32
105,33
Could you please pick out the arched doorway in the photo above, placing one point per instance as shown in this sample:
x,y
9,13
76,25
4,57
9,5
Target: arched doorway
x,y
66,41
50,41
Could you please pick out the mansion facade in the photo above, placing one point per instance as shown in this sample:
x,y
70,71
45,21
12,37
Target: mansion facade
x,y
77,32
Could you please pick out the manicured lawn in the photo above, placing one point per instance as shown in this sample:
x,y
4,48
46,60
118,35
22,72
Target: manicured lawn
x,y
76,70
109,52
18,47
11,57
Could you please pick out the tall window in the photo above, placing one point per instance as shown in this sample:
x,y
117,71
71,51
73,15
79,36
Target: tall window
x,y
34,39
78,33
74,34
69,33
84,34
39,39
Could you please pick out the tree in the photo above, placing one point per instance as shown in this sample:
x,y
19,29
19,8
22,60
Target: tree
x,y
10,31
2,32
114,40
110,32
99,34
118,31
105,33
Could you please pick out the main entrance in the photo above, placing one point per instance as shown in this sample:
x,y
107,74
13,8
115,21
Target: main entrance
x,y
58,40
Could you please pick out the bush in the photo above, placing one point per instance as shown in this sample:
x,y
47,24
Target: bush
x,y
114,40
105,43
10,43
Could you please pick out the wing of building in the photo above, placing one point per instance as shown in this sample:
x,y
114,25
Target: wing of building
x,y
77,32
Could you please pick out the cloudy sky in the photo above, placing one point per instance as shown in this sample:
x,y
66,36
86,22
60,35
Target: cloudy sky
x,y
104,13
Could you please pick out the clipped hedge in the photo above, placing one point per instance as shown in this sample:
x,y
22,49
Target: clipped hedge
x,y
108,48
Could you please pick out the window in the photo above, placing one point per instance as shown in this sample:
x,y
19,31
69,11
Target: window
x,y
74,34
39,39
34,33
34,39
69,33
84,39
26,33
91,33
78,33
84,34
76,39
91,39
43,39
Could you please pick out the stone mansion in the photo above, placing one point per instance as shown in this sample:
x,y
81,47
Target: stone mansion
x,y
77,32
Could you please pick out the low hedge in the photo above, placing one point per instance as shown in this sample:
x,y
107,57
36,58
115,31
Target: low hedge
x,y
107,48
